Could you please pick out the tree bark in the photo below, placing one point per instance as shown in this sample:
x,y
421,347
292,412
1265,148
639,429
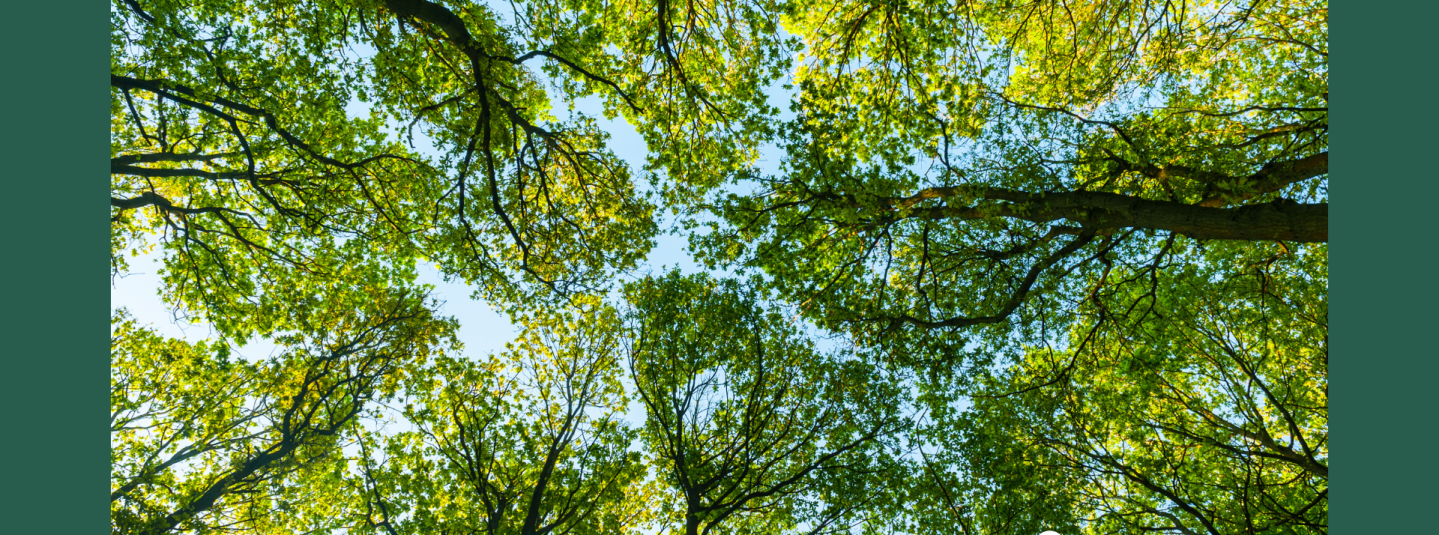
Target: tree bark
x,y
1280,220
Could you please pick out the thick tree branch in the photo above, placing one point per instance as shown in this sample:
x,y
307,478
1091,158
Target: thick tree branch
x,y
1270,178
1280,220
128,159
139,11
149,198
438,15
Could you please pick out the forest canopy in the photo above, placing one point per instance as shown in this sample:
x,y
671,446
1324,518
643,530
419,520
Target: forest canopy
x,y
994,267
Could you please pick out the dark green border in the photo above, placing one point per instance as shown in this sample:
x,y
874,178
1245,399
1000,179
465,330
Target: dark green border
x,y
1384,374
55,268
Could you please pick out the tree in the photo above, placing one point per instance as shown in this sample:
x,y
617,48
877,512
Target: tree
x,y
200,441
1214,421
1018,196
532,444
234,141
744,417
954,166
